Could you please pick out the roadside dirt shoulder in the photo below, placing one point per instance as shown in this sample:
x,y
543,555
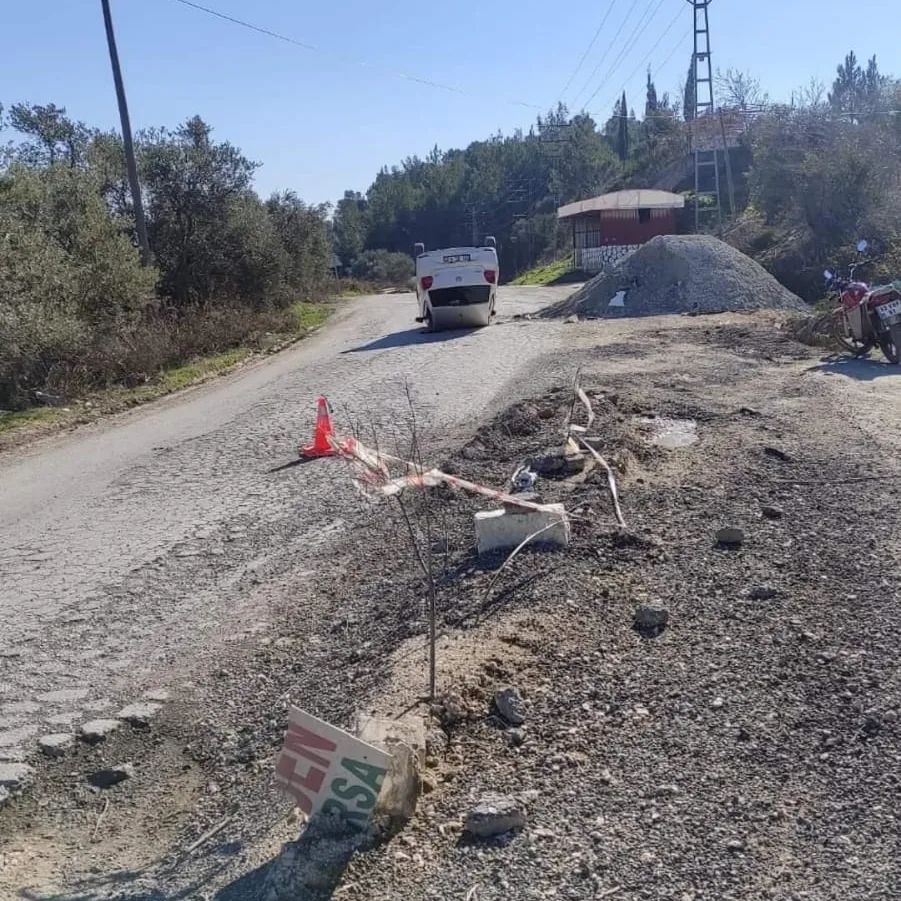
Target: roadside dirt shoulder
x,y
749,750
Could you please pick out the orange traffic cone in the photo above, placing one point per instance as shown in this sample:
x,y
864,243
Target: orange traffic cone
x,y
321,446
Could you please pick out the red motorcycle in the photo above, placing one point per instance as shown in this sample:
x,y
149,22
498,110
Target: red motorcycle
x,y
867,316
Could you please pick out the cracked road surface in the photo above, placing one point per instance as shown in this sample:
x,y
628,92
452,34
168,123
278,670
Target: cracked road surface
x,y
126,547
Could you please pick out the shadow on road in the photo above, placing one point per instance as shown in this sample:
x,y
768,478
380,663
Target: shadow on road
x,y
412,337
861,370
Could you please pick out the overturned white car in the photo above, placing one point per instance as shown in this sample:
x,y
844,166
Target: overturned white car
x,y
456,287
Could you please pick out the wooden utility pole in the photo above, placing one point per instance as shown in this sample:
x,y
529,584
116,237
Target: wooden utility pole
x,y
130,164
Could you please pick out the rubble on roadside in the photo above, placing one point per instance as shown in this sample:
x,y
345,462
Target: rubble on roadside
x,y
691,274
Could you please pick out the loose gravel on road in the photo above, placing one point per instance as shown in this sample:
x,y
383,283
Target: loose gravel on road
x,y
743,745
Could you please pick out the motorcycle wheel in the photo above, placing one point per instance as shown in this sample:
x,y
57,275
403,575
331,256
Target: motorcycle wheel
x,y
890,343
847,341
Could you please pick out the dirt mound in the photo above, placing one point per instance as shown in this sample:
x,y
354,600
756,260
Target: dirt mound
x,y
679,274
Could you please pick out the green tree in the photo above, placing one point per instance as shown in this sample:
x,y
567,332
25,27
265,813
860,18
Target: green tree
x,y
622,134
55,136
350,227
194,187
690,94
652,104
306,242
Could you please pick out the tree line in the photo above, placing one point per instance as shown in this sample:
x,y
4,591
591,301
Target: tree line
x,y
822,168
77,308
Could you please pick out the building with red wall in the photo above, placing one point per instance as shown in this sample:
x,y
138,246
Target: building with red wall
x,y
608,227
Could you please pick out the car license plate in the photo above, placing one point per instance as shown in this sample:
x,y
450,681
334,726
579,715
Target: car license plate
x,y
888,310
458,258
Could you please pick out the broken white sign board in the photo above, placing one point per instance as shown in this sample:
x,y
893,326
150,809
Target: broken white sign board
x,y
326,769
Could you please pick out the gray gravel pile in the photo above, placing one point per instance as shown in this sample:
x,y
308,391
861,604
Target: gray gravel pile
x,y
679,274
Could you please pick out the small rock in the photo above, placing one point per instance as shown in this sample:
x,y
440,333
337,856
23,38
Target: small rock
x,y
762,593
718,703
606,777
157,694
139,714
495,815
111,776
96,731
15,776
735,845
772,512
730,537
4,796
428,784
650,621
515,737
511,706
57,744
571,320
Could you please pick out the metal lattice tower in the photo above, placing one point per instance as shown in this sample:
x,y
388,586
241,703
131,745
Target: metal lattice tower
x,y
704,143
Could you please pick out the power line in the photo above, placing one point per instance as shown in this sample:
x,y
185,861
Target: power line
x,y
588,49
312,48
602,57
650,53
640,28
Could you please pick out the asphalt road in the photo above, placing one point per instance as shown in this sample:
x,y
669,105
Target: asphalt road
x,y
126,547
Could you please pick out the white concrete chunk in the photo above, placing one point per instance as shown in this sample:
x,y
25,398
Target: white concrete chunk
x,y
139,714
15,776
501,530
57,744
97,731
404,740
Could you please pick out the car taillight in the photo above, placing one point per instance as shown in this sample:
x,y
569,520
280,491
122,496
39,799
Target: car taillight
x,y
490,276
426,282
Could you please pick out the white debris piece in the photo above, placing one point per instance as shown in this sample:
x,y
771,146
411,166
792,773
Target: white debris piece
x,y
506,529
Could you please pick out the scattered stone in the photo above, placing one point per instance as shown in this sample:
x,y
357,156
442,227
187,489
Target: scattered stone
x,y
63,719
571,320
64,695
111,776
20,707
511,706
495,815
56,744
428,784
650,621
157,694
772,512
777,454
606,777
515,737
12,738
735,845
96,731
762,593
139,714
730,537
15,776
4,796
718,703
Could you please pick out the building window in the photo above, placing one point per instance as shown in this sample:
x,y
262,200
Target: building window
x,y
644,215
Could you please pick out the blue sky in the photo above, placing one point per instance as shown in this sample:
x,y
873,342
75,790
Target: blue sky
x,y
320,122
